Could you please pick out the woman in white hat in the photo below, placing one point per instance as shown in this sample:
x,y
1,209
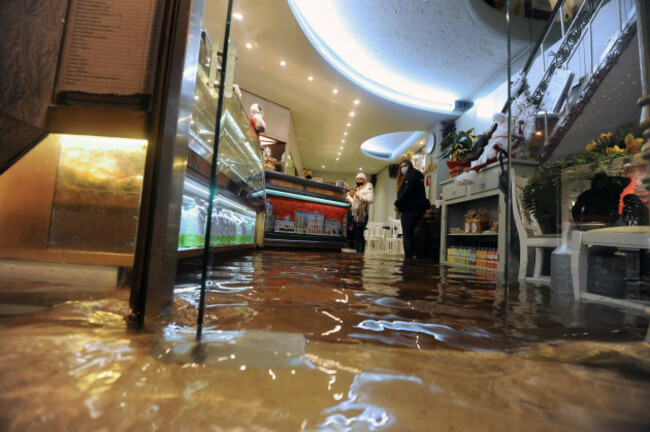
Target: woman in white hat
x,y
359,198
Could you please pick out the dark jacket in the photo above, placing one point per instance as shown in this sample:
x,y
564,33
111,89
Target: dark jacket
x,y
411,195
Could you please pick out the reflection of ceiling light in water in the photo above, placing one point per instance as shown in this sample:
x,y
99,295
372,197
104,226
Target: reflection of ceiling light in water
x,y
323,24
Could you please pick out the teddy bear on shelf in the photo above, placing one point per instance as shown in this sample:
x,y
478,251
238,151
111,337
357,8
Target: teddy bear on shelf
x,y
257,121
497,143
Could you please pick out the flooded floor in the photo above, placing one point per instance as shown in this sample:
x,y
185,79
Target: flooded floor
x,y
330,342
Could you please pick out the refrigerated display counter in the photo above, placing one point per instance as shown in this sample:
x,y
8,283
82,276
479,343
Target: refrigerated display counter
x,y
302,213
240,178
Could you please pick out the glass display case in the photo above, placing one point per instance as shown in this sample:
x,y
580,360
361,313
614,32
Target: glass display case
x,y
240,178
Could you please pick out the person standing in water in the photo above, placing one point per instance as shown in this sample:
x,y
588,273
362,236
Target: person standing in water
x,y
411,202
359,198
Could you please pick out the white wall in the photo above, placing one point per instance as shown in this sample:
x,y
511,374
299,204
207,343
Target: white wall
x,y
385,195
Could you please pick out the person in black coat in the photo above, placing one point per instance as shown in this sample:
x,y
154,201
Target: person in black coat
x,y
411,202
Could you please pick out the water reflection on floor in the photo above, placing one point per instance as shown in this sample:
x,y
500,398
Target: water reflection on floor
x,y
330,341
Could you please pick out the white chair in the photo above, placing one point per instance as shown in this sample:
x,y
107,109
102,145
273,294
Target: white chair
x,y
375,237
394,241
530,236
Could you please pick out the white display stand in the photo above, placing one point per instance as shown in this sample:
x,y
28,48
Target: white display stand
x,y
484,193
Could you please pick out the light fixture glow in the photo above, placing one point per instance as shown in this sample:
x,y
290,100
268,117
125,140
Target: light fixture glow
x,y
351,113
238,16
341,147
283,63
249,45
324,25
345,133
342,141
388,147
356,101
335,91
338,154
310,78
349,124
337,158
322,166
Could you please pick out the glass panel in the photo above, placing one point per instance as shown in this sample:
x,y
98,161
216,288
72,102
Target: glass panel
x,y
99,180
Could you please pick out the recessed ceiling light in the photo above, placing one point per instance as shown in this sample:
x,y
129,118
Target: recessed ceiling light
x,y
342,141
345,133
249,45
351,113
283,63
196,97
337,158
238,16
360,168
356,101
323,166
310,78
335,91
341,147
349,124
338,154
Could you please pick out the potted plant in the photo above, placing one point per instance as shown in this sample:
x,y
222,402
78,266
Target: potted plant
x,y
456,146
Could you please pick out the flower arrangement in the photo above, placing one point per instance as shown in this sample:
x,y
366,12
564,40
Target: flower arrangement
x,y
625,141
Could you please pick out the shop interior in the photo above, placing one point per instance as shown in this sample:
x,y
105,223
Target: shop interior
x,y
204,185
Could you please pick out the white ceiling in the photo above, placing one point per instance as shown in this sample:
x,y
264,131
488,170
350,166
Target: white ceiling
x,y
456,45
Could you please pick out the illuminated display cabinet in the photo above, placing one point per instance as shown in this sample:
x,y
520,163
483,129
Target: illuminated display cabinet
x,y
304,213
240,179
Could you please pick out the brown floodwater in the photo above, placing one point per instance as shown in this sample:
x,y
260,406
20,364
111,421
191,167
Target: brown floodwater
x,y
329,342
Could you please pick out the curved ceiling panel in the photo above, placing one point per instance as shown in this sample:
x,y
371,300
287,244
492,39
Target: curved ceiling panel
x,y
389,146
422,53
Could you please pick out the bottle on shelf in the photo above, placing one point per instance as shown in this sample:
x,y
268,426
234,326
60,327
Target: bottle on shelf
x,y
472,255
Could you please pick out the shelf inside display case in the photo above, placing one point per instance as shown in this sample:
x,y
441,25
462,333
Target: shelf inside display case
x,y
232,222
